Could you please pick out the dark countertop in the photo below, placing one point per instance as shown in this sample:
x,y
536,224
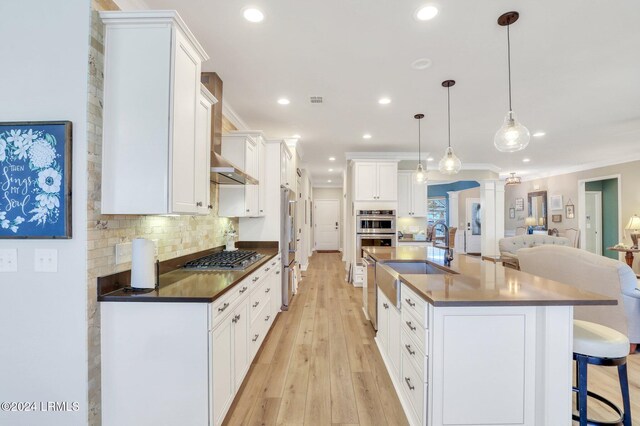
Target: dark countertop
x,y
187,286
474,282
411,240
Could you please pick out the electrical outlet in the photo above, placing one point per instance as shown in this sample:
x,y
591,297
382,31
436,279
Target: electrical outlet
x,y
45,260
123,253
8,260
155,248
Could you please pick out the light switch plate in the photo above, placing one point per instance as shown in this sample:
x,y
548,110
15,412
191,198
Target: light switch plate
x,y
8,260
45,260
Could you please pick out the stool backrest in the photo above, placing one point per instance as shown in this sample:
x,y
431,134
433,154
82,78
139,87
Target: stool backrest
x,y
586,271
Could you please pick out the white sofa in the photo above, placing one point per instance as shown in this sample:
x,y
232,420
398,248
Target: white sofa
x,y
590,272
510,246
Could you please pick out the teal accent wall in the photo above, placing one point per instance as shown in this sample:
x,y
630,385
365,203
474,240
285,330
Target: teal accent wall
x,y
442,190
610,225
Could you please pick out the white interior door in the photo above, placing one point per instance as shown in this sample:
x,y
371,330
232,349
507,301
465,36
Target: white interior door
x,y
473,229
593,221
326,227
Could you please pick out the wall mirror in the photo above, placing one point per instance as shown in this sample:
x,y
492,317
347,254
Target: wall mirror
x,y
538,208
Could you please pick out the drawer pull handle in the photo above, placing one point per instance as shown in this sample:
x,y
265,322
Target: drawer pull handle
x,y
235,319
255,279
273,264
267,269
278,273
255,305
243,289
409,350
255,338
411,326
412,304
199,204
408,380
385,306
223,307
267,318
268,290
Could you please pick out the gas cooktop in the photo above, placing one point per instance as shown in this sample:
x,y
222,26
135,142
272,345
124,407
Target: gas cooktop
x,y
225,261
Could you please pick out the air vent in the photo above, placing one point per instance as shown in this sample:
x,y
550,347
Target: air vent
x,y
315,99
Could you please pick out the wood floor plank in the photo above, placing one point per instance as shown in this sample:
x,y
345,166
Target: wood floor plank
x,y
370,410
240,412
265,413
294,397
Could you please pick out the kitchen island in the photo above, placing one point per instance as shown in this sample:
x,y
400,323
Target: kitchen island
x,y
473,342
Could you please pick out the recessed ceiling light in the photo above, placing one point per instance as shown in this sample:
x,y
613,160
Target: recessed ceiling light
x,y
252,14
330,170
421,64
384,101
284,101
366,136
296,136
430,159
526,160
426,13
539,134
329,181
332,158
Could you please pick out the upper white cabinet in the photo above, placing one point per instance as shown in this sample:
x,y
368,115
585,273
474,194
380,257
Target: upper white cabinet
x,y
152,130
287,167
412,196
203,147
246,150
376,181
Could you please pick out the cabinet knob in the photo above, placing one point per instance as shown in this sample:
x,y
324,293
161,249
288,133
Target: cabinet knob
x,y
255,305
267,318
210,206
261,211
268,290
255,338
199,204
247,210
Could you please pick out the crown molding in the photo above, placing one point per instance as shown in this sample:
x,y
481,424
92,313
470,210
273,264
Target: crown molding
x,y
580,168
399,156
233,117
132,4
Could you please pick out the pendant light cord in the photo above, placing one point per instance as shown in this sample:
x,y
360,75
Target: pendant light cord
x,y
509,64
419,142
449,113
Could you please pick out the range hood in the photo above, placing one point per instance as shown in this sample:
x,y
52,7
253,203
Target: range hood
x,y
223,172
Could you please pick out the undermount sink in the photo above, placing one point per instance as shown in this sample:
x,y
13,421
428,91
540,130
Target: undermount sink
x,y
415,268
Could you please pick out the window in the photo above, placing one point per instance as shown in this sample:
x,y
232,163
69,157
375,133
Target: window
x,y
437,210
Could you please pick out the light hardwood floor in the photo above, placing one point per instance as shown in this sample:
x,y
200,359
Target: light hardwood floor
x,y
319,364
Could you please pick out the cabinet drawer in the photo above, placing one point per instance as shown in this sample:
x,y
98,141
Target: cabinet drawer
x,y
259,300
359,279
221,307
414,388
416,305
412,327
415,354
257,333
359,270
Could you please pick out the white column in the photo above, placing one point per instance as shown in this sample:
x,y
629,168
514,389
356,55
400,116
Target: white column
x,y
453,208
492,212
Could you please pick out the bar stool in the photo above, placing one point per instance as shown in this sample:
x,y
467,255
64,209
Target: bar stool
x,y
597,344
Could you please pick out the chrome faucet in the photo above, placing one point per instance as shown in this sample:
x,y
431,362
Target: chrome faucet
x,y
447,247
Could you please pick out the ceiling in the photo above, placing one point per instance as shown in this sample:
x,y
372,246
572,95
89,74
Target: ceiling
x,y
575,65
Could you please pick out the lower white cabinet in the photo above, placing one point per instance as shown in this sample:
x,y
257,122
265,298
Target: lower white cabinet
x,y
389,332
186,360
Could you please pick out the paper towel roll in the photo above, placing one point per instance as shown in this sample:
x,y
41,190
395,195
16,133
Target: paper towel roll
x,y
142,263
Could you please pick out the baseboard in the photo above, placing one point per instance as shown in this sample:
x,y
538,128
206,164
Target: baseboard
x,y
357,285
327,251
366,315
406,405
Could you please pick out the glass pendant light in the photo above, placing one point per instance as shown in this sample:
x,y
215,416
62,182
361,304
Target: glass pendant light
x,y
421,173
512,136
450,163
513,179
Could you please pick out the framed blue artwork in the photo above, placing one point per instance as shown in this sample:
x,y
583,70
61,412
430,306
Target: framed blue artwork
x,y
35,180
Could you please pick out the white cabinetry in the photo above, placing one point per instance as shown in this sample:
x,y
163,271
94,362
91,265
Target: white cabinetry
x,y
287,167
376,181
388,332
262,177
196,355
203,147
412,196
151,130
243,151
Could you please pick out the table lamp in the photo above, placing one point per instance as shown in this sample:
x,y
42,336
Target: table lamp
x,y
530,222
634,227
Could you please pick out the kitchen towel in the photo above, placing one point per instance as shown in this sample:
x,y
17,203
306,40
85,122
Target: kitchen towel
x,y
142,263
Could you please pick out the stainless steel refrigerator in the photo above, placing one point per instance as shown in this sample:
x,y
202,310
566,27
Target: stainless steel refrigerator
x,y
287,243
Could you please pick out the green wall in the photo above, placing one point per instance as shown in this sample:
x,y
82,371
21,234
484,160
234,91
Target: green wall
x,y
610,225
